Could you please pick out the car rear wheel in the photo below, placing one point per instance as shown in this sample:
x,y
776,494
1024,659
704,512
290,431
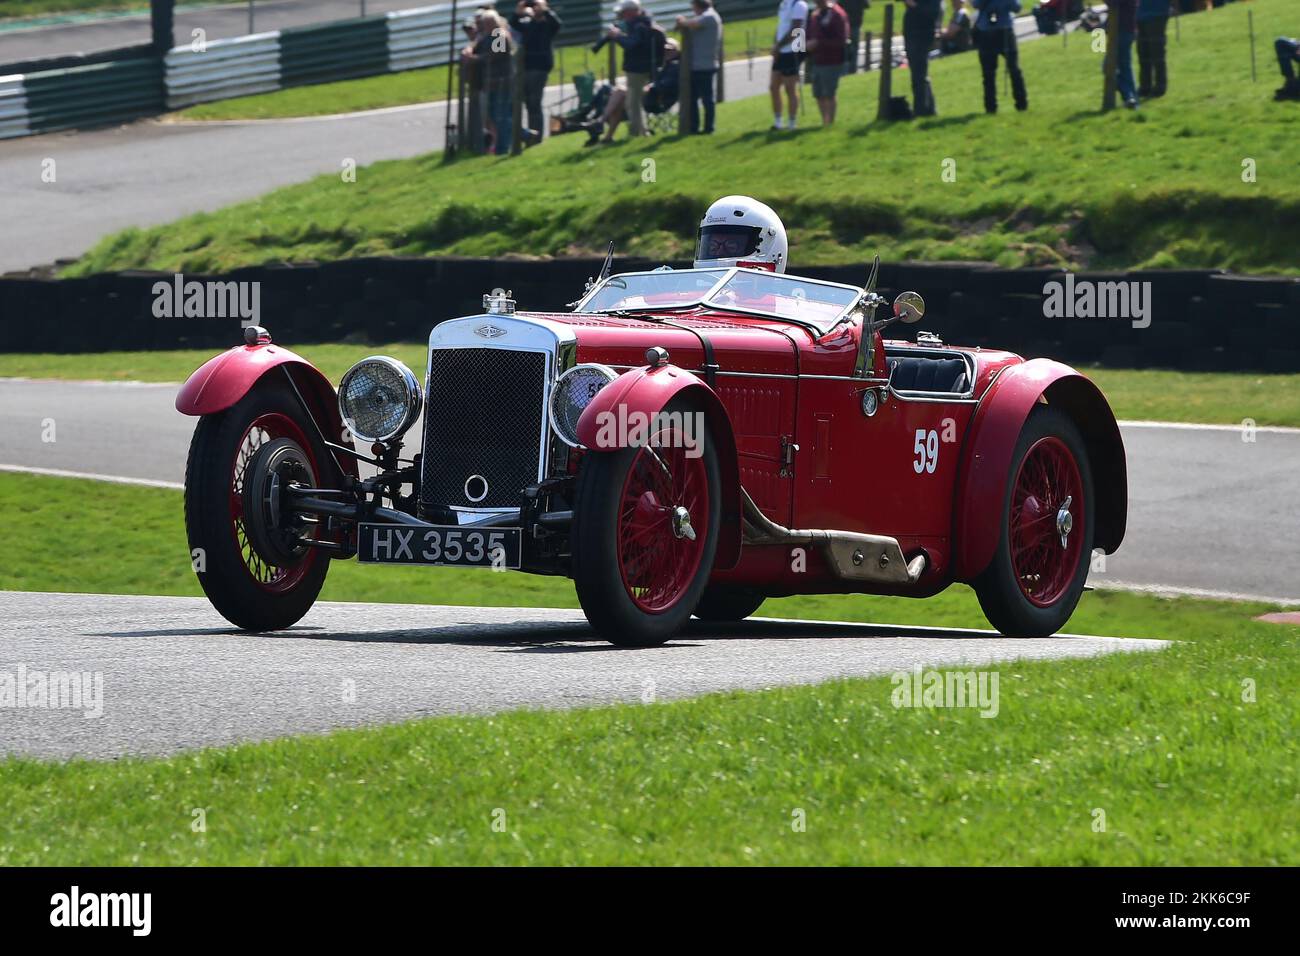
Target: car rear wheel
x,y
728,604
1038,571
251,568
645,531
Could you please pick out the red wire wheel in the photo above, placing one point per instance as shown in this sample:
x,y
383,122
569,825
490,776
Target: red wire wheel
x,y
1047,504
659,550
247,589
265,428
1036,576
645,529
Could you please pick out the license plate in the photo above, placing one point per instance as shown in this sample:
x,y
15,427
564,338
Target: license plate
x,y
440,545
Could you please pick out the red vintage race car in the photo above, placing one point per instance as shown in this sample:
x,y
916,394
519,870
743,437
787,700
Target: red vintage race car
x,y
682,442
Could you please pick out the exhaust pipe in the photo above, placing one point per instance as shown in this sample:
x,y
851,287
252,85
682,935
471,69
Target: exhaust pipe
x,y
853,556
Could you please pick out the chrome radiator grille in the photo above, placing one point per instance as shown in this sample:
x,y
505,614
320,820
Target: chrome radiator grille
x,y
483,416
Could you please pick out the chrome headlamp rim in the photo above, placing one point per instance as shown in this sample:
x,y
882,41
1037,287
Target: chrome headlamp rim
x,y
414,397
557,391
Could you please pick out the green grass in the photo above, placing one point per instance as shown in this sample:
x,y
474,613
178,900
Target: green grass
x,y
17,9
1187,772
1225,398
1061,185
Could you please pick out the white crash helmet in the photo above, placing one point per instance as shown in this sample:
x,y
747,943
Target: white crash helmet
x,y
738,229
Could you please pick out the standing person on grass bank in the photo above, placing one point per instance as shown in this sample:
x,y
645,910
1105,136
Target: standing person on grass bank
x,y
920,20
537,25
493,56
791,42
828,37
636,37
1288,55
1126,12
706,50
995,35
1152,26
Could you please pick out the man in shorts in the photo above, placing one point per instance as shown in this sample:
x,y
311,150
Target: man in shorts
x,y
791,44
828,37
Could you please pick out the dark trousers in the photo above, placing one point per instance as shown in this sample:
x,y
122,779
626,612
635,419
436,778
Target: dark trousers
x,y
1288,51
918,38
534,87
702,93
1153,74
992,44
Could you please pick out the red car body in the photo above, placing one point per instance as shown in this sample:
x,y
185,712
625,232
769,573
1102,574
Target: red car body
x,y
931,459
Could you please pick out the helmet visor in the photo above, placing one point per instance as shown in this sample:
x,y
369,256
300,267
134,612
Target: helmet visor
x,y
727,242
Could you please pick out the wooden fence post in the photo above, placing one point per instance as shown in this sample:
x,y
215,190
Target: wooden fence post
x,y
886,63
684,102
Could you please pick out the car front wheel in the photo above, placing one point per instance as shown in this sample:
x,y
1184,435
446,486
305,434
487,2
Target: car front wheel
x,y
255,571
645,531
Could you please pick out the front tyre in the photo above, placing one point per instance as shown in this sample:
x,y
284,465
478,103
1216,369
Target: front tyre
x,y
246,589
1038,571
645,530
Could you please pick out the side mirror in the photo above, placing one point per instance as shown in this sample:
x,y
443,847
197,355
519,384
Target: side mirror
x,y
909,307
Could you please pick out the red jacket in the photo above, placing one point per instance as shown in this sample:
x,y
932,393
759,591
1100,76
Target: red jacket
x,y
830,29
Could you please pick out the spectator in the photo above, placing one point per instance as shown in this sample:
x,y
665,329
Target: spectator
x,y
854,9
956,36
657,96
1126,12
1288,54
920,20
706,47
493,51
636,37
995,35
537,26
828,37
787,51
1152,23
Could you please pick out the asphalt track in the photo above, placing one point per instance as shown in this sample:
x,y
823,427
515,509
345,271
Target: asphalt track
x,y
176,677
1208,512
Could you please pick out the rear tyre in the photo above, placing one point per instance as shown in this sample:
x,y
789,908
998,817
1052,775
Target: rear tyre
x,y
245,588
1038,571
727,604
639,572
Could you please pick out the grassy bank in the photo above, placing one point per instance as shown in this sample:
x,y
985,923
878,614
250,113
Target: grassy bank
x,y
1225,398
1061,185
1185,770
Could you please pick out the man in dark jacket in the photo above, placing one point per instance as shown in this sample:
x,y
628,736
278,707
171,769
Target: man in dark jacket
x,y
1288,55
537,26
1152,24
636,37
995,35
919,22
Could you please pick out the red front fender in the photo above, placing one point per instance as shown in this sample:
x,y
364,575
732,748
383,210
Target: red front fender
x,y
646,391
223,380
986,459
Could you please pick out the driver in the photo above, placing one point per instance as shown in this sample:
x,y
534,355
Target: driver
x,y
739,231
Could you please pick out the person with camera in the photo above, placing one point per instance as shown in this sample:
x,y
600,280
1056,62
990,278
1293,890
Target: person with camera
x,y
995,35
920,20
636,35
787,53
706,50
537,25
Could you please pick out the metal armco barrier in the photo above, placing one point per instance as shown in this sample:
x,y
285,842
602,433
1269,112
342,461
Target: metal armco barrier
x,y
80,96
125,89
